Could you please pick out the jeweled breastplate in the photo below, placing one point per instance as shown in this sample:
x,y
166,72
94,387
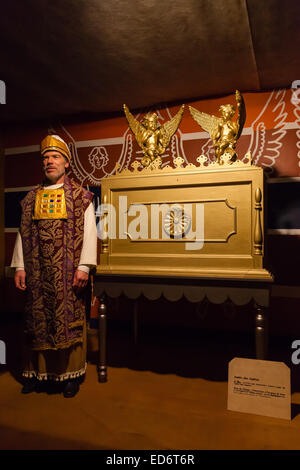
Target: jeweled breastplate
x,y
50,204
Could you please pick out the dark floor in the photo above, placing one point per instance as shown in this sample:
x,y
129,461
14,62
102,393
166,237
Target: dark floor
x,y
167,392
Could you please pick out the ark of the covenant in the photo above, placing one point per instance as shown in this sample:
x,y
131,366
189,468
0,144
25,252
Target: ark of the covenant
x,y
203,220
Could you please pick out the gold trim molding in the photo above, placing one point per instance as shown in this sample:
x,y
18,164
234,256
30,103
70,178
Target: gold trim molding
x,y
155,166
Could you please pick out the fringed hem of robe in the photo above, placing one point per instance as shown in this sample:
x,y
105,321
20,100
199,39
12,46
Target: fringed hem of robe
x,y
57,377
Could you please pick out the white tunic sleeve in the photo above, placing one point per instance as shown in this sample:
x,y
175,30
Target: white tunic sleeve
x,y
88,258
18,259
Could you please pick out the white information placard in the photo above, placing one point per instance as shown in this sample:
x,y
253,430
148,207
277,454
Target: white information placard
x,y
259,387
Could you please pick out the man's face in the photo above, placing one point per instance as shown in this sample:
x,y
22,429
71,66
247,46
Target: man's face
x,y
54,166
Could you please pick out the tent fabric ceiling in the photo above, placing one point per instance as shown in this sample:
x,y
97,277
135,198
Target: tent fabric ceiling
x,y
74,56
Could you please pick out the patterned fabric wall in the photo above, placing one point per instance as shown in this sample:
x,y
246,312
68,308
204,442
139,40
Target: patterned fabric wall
x,y
271,133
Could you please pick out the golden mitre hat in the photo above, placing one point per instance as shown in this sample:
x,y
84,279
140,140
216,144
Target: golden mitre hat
x,y
54,142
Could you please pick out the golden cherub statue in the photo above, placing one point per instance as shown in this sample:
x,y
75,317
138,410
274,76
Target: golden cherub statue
x,y
151,137
223,131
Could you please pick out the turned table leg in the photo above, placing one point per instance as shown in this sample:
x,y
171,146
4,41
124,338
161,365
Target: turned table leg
x,y
102,367
261,331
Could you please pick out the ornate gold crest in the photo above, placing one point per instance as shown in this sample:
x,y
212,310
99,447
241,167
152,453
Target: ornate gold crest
x,y
151,137
223,131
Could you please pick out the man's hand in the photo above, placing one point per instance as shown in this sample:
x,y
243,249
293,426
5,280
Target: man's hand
x,y
20,279
80,279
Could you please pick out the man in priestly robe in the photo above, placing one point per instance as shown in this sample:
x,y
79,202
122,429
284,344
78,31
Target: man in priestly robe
x,y
54,252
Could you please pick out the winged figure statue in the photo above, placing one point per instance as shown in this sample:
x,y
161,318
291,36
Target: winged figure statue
x,y
151,137
223,131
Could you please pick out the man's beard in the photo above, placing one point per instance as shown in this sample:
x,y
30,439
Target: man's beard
x,y
51,178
